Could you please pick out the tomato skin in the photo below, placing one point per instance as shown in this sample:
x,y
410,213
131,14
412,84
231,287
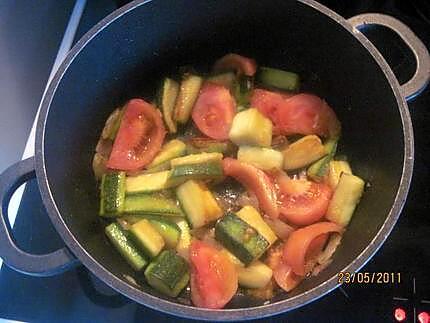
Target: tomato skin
x,y
304,114
254,180
238,63
139,137
305,207
298,243
285,277
214,279
214,111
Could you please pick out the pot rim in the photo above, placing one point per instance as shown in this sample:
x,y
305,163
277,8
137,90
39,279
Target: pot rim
x,y
223,314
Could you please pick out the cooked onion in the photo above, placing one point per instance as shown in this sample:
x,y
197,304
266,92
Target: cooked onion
x,y
281,229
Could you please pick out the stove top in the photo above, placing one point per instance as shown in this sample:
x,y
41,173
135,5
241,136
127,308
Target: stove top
x,y
401,267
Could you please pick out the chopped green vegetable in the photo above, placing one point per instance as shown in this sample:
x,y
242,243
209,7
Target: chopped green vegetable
x,y
188,93
280,79
151,204
303,152
173,149
319,170
147,238
112,194
166,99
260,157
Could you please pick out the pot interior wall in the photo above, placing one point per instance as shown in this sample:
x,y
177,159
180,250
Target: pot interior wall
x,y
129,57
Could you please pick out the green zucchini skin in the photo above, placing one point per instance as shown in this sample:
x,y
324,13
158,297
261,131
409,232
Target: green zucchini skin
x,y
205,171
240,238
112,194
122,242
318,170
169,230
151,204
283,80
166,99
168,273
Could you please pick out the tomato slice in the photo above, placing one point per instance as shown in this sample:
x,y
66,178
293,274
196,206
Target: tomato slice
x,y
298,114
256,181
214,278
139,137
238,63
214,111
302,202
297,245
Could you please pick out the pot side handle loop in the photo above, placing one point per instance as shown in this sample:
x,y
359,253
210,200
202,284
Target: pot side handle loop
x,y
422,74
36,265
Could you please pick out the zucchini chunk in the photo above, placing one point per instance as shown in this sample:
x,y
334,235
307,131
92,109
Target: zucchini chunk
x,y
240,238
196,159
168,229
147,238
303,152
345,198
206,145
319,170
251,128
122,242
184,239
242,91
336,168
260,157
283,80
112,194
148,204
256,275
168,273
255,220
188,93
173,149
198,203
147,183
206,171
166,99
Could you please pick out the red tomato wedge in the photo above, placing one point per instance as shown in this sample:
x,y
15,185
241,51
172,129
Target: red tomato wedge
x,y
238,63
214,278
139,137
214,111
256,181
304,114
285,277
297,245
302,202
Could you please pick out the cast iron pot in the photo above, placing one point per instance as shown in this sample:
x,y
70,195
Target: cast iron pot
x,y
125,55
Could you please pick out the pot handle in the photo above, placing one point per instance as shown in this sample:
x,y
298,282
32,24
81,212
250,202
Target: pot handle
x,y
36,265
422,74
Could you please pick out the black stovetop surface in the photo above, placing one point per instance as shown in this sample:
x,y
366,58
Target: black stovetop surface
x,y
78,296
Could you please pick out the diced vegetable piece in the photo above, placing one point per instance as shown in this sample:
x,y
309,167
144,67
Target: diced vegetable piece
x,y
168,229
214,111
208,145
188,93
213,276
256,181
99,165
336,168
239,64
147,238
240,238
166,99
173,149
196,159
151,204
139,137
232,257
319,170
198,203
300,241
285,277
206,171
122,242
345,198
112,125
112,194
147,183
260,157
250,127
280,79
255,220
242,90
256,275
185,238
168,273
227,79
303,152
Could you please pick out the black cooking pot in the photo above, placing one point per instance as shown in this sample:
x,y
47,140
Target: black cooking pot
x,y
125,55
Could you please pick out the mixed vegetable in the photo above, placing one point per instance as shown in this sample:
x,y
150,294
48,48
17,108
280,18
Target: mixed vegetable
x,y
224,182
